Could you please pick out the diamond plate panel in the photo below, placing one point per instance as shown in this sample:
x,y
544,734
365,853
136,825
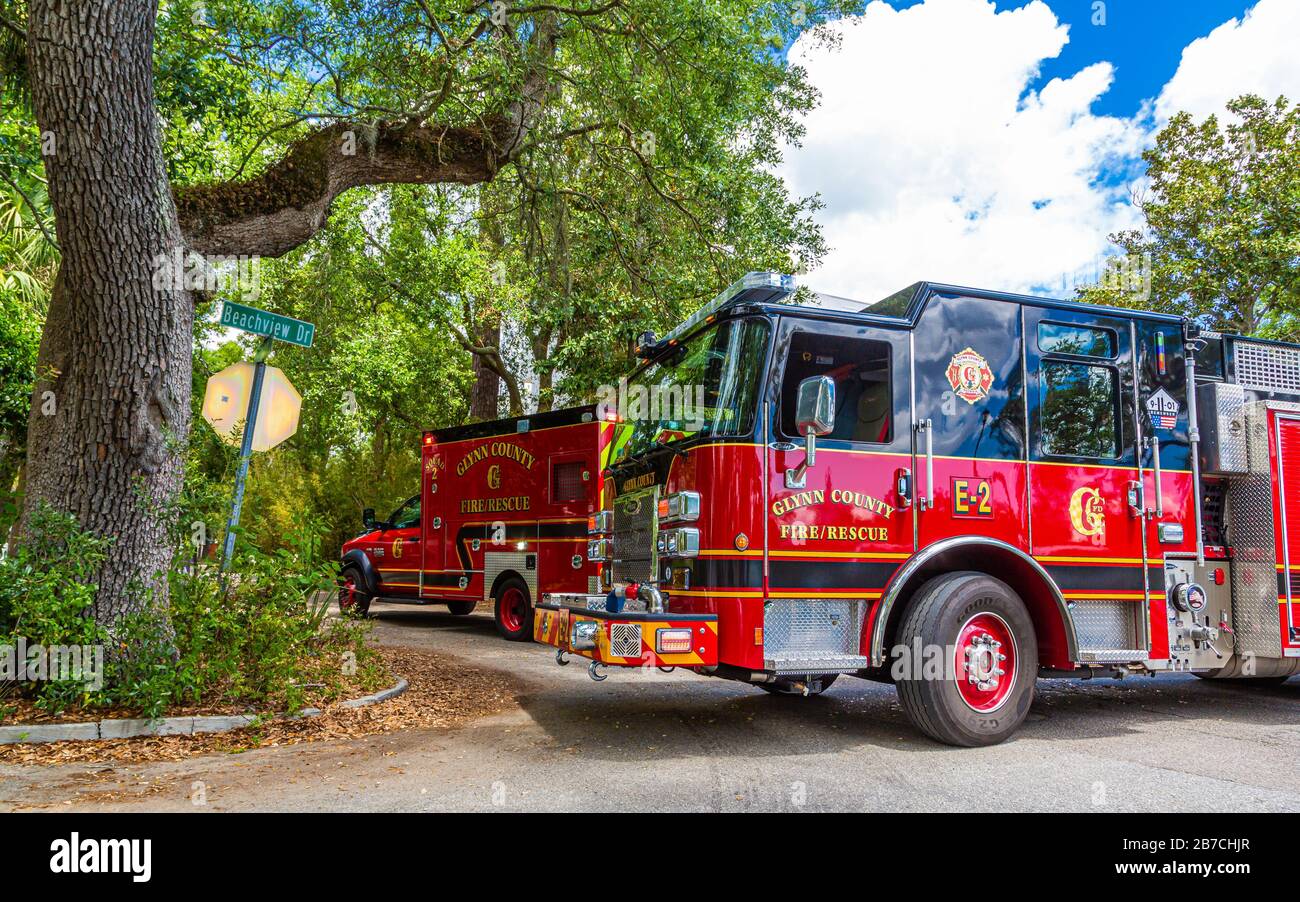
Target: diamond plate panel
x,y
1103,625
497,562
812,629
1267,368
1255,610
634,528
1224,447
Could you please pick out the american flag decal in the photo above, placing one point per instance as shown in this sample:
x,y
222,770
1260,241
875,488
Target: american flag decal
x,y
1163,410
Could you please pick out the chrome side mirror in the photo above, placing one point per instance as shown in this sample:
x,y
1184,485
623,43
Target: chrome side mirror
x,y
814,416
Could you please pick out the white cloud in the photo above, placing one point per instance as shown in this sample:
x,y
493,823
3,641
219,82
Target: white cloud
x,y
934,163
1254,54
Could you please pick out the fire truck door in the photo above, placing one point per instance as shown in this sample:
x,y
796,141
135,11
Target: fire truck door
x,y
1086,495
969,440
839,528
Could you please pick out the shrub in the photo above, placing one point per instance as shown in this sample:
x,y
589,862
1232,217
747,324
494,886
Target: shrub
x,y
46,594
259,641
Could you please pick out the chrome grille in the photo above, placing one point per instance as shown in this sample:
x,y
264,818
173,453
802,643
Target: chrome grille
x,y
625,640
1268,368
634,536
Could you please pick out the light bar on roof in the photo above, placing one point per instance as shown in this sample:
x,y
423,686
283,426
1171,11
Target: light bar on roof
x,y
751,288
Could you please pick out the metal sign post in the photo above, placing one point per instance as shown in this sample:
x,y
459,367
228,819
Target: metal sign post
x,y
246,449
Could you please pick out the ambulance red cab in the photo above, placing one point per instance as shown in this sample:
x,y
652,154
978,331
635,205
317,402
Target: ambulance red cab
x,y
501,514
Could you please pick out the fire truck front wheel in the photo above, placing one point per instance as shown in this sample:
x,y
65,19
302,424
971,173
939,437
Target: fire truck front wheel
x,y
513,610
352,592
967,660
461,608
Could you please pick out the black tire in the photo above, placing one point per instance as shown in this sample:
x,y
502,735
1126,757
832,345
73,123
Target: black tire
x,y
352,594
513,625
461,608
937,616
817,684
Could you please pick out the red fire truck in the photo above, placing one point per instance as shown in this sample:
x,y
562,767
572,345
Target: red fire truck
x,y
502,513
953,490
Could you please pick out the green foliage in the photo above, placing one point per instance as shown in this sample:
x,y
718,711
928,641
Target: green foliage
x,y
19,340
1222,232
261,640
46,589
258,644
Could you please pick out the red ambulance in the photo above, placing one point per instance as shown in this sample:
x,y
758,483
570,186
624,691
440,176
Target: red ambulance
x,y
501,517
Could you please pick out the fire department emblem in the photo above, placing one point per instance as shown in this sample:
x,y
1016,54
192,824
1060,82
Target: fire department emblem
x,y
1087,511
397,547
970,376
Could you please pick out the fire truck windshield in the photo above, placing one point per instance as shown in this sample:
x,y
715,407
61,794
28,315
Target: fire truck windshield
x,y
707,386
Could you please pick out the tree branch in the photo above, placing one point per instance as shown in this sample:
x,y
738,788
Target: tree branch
x,y
14,27
36,212
280,209
286,205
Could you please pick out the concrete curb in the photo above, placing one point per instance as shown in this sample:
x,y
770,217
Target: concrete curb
x,y
168,726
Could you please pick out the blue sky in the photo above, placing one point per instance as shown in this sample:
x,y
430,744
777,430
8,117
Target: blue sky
x,y
1144,39
998,142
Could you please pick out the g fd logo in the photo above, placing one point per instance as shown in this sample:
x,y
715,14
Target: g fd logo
x,y
1087,511
494,477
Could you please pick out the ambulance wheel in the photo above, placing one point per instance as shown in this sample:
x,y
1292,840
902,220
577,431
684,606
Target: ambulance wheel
x,y
513,611
461,608
990,657
352,592
816,685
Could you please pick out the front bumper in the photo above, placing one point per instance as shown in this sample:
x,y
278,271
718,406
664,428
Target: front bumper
x,y
626,638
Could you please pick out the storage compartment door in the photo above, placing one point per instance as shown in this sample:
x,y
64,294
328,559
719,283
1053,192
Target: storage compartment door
x,y
1285,452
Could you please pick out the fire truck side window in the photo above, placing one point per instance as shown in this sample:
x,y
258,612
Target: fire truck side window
x,y
1079,410
864,402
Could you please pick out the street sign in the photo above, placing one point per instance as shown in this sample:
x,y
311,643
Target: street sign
x,y
273,325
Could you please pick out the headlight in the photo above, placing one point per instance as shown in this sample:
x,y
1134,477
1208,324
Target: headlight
x,y
681,506
584,634
600,550
678,542
601,521
675,641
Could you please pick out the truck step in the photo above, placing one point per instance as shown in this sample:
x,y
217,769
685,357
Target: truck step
x,y
819,664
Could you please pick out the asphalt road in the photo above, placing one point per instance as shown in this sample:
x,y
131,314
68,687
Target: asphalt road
x,y
678,742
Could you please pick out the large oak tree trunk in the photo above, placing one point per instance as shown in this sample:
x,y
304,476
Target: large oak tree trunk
x,y
485,395
116,349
